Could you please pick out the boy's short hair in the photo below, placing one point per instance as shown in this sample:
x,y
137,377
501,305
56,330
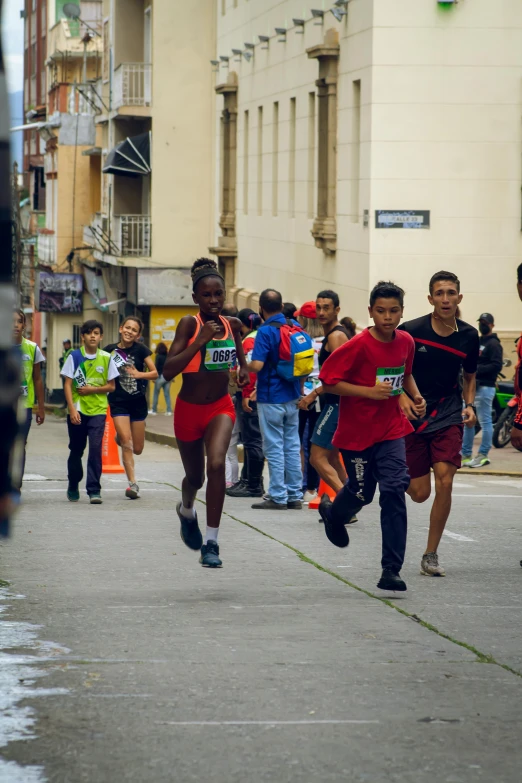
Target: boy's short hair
x,y
90,326
442,275
519,273
386,290
328,294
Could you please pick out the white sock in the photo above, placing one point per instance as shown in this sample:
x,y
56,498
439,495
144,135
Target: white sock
x,y
188,512
211,534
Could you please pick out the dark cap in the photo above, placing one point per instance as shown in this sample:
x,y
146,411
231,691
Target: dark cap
x,y
68,340
487,317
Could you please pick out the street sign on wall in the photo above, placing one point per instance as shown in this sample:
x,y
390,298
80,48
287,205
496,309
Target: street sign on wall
x,y
402,218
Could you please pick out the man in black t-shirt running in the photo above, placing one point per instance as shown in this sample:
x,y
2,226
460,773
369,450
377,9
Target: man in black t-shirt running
x,y
444,346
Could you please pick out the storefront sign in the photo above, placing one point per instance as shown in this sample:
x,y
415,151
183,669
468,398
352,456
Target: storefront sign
x,y
58,293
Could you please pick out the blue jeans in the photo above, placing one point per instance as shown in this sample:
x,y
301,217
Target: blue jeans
x,y
484,403
279,424
161,383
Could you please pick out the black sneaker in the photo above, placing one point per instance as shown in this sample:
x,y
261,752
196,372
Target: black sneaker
x,y
73,495
239,490
210,555
189,530
391,580
269,505
336,534
234,487
295,505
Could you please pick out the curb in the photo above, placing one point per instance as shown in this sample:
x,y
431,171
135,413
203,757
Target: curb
x,y
163,440
479,471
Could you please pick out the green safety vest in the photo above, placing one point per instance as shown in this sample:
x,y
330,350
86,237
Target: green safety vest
x,y
91,372
28,349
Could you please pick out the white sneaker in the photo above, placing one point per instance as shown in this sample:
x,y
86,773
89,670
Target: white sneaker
x,y
152,413
168,413
309,495
132,491
430,565
479,462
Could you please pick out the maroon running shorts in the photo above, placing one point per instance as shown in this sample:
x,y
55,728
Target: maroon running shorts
x,y
424,450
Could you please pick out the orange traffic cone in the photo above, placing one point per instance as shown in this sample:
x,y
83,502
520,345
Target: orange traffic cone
x,y
110,455
323,487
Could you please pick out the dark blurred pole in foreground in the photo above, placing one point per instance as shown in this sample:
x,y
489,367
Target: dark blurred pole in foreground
x,y
9,367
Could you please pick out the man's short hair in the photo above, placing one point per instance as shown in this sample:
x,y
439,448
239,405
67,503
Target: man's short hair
x,y
519,273
444,276
328,294
90,326
386,290
289,309
271,301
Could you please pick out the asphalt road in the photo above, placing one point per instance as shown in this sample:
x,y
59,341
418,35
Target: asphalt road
x,y
123,660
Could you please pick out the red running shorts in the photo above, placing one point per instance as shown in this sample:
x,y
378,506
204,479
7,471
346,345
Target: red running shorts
x,y
191,421
424,450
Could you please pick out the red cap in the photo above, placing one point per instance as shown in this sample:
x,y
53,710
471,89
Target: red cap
x,y
307,310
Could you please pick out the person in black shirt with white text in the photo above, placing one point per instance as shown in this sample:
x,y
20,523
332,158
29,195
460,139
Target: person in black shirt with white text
x,y
488,368
128,402
444,345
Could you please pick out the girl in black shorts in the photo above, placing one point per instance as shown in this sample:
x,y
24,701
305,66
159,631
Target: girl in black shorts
x,y
128,402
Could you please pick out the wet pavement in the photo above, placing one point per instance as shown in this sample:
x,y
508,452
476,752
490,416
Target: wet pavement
x,y
124,660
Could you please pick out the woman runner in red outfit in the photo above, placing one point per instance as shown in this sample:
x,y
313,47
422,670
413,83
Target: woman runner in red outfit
x,y
204,350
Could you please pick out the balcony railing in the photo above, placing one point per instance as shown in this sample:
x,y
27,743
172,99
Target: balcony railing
x,y
130,235
132,85
133,234
83,99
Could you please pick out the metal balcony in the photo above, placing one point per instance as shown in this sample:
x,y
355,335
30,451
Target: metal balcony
x,y
133,233
132,85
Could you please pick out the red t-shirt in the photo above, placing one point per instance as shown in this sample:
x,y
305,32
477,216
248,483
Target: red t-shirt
x,y
248,347
362,361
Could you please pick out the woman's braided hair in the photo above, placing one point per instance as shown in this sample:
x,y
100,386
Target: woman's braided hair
x,y
204,267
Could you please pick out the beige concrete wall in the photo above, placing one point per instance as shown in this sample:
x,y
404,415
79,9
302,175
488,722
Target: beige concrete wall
x,y
70,158
446,136
439,130
128,33
183,42
278,249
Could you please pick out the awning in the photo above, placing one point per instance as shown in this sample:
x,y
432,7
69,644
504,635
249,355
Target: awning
x,y
93,152
130,158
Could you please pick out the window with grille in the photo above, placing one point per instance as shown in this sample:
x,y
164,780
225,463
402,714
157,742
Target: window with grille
x,y
76,336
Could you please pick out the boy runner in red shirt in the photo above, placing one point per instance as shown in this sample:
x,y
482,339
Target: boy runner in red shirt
x,y
369,374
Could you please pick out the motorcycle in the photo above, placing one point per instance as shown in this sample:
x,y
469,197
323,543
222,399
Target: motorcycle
x,y
504,424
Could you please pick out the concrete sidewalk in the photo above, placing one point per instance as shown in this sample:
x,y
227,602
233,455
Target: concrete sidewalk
x,y
504,462
284,666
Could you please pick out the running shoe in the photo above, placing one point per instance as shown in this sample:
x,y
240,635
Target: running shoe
x,y
267,504
239,490
466,462
73,495
210,555
168,413
479,462
95,498
391,580
309,495
132,491
336,534
295,505
430,565
189,530
152,413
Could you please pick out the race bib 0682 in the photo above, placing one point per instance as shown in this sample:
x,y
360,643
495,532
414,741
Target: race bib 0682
x,y
223,358
393,375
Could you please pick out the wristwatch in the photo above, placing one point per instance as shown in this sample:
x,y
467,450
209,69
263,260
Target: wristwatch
x,y
470,405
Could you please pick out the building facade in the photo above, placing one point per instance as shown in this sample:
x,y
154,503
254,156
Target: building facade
x,y
371,140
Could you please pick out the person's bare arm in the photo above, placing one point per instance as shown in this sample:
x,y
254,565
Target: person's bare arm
x,y
40,393
150,375
469,388
335,340
73,413
412,403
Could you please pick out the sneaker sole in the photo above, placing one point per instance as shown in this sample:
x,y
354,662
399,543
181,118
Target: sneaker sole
x,y
206,565
96,502
393,589
425,573
131,494
73,500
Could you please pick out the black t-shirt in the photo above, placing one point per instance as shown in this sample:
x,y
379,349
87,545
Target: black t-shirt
x,y
128,357
329,399
436,368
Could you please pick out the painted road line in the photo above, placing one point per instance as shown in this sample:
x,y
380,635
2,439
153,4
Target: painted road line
x,y
477,495
457,536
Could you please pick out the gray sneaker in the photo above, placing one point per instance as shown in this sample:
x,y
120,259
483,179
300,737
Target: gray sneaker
x,y
430,565
466,462
132,491
479,462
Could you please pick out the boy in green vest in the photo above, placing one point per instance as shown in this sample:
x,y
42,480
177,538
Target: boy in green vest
x,y
89,376
31,388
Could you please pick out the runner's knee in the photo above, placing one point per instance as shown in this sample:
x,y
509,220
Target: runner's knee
x,y
127,445
138,450
215,465
196,480
444,483
419,494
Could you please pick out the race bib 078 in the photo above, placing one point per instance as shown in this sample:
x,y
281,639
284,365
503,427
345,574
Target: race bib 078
x,y
393,375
